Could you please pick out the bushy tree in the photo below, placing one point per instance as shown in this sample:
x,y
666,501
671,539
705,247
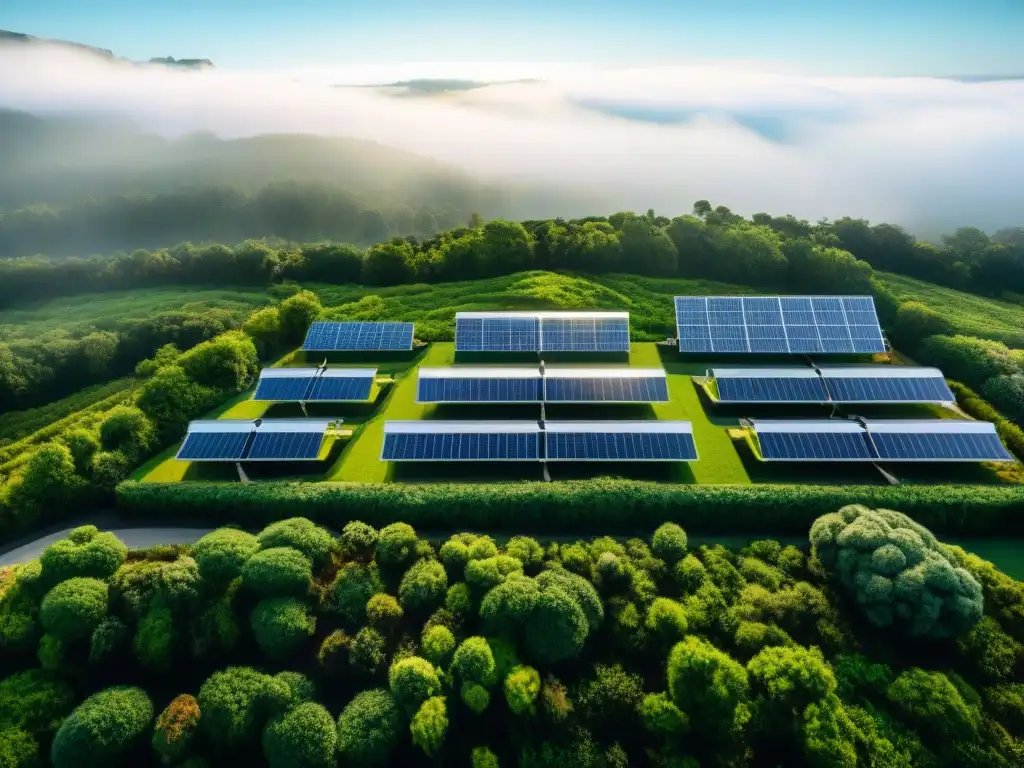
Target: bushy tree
x,y
609,699
482,548
72,609
506,607
475,696
557,627
86,553
109,468
932,703
527,551
454,556
916,321
300,688
968,359
368,651
18,748
170,399
383,612
154,640
423,586
1007,394
227,362
352,587
430,724
278,572
897,571
666,621
297,313
48,480
707,684
438,645
488,572
176,728
828,735
791,677
669,543
474,662
281,625
993,652
103,728
482,757
358,540
459,600
413,680
301,534
34,701
661,717
128,430
396,545
369,728
522,687
223,553
303,737
83,444
236,702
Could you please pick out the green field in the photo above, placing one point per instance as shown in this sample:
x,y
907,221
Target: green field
x,y
966,312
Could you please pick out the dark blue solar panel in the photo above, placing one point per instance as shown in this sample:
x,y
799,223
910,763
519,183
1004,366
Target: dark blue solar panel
x,y
460,447
971,446
861,390
803,339
584,334
814,446
771,390
623,390
214,445
462,390
283,389
327,388
286,445
620,446
496,334
355,336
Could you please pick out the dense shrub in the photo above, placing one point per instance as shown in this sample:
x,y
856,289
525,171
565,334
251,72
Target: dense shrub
x,y
706,684
1007,394
669,543
368,652
176,728
413,680
438,645
968,359
358,539
352,587
527,551
898,572
34,701
423,586
86,552
522,686
154,640
932,703
222,554
303,737
281,625
236,702
396,545
126,429
369,728
103,728
430,724
474,662
227,362
383,612
72,609
278,572
301,534
482,757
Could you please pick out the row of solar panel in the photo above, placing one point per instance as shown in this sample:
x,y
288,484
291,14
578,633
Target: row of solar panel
x,y
541,333
251,446
778,324
285,385
358,337
833,390
536,390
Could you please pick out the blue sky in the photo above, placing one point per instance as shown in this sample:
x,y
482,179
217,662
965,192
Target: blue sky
x,y
877,37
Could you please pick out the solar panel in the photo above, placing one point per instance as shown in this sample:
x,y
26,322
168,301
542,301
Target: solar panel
x,y
812,440
587,333
342,385
619,441
937,440
769,385
838,384
496,332
358,337
260,440
478,385
216,440
461,441
284,385
605,385
280,446
541,332
778,324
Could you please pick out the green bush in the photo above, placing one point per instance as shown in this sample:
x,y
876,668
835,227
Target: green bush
x,y
103,728
459,600
300,687
368,652
660,716
155,638
898,572
475,697
932,703
227,362
281,625
413,680
383,612
34,701
430,724
484,573
83,444
1007,394
303,737
222,554
438,645
85,553
707,684
369,728
351,589
278,572
235,704
18,748
522,686
454,555
73,609
968,359
473,662
669,543
527,551
423,586
176,728
396,545
482,757
666,621
358,540
301,534
583,506
127,430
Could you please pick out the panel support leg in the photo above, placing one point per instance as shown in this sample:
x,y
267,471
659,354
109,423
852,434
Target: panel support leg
x,y
547,474
890,478
302,405
241,472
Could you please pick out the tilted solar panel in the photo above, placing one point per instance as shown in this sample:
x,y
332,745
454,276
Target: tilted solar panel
x,y
838,384
584,334
259,440
325,336
461,441
484,390
341,388
280,446
619,441
497,332
936,440
815,446
213,446
889,390
280,389
778,324
620,389
541,332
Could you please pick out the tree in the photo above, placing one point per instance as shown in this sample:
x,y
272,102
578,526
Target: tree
x,y
383,612
430,724
482,757
661,717
154,640
557,627
34,701
227,362
423,586
223,553
474,662
170,399
898,572
701,208
507,606
527,551
389,263
647,249
666,621
358,540
85,553
508,247
369,728
352,587
707,684
669,543
298,313
126,429
932,703
368,651
396,545
281,625
609,699
83,444
236,702
488,572
72,609
791,677
438,645
103,728
915,322
303,737
522,686
277,572
413,680
301,534
176,728
47,481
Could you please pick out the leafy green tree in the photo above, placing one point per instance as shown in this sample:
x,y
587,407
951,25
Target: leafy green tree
x,y
264,327
646,248
609,699
389,263
176,728
227,362
505,608
430,724
899,574
298,313
301,534
482,757
109,469
475,696
369,728
508,247
300,687
34,701
368,652
358,540
459,601
235,704
828,735
527,551
791,678
170,398
522,687
968,359
413,680
557,627
278,572
454,556
351,589
128,430
708,685
994,653
396,545
281,625
488,572
438,645
423,586
155,638
474,662
666,621
47,481
916,321
383,612
72,609
482,548
83,444
669,543
107,640
18,748
85,552
1007,703
932,703
223,553
303,737
103,728
661,717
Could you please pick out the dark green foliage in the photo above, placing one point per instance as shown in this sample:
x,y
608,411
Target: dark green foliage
x,y
353,586
369,728
482,757
522,686
1011,434
217,627
281,625
791,677
170,398
47,481
222,554
423,586
18,748
34,701
1007,701
968,359
507,606
126,429
458,601
482,548
396,545
828,735
669,543
430,724
932,703
557,627
368,652
856,676
994,653
475,696
1007,394
86,552
300,687
383,612
83,444
454,555
103,728
706,684
438,645
332,656
666,622
236,702
73,609
358,539
176,581
303,737
413,680
609,700
484,573
898,572
278,572
176,728
301,534
474,662
155,637
227,362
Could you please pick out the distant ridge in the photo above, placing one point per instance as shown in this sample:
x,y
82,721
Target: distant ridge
x,y
19,38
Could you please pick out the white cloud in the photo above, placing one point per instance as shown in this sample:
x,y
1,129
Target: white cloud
x,y
924,152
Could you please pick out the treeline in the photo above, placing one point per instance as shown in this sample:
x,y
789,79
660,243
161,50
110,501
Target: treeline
x,y
772,253
288,211
297,648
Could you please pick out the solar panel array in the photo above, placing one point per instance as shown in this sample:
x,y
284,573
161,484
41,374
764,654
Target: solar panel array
x,y
461,441
541,332
285,385
832,384
623,385
778,324
260,440
619,441
358,337
471,384
879,440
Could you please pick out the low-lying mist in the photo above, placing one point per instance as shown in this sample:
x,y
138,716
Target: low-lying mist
x,y
931,154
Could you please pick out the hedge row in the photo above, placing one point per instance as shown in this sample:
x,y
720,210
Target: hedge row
x,y
602,506
973,404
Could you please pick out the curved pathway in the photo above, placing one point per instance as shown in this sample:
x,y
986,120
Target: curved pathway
x,y
134,538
